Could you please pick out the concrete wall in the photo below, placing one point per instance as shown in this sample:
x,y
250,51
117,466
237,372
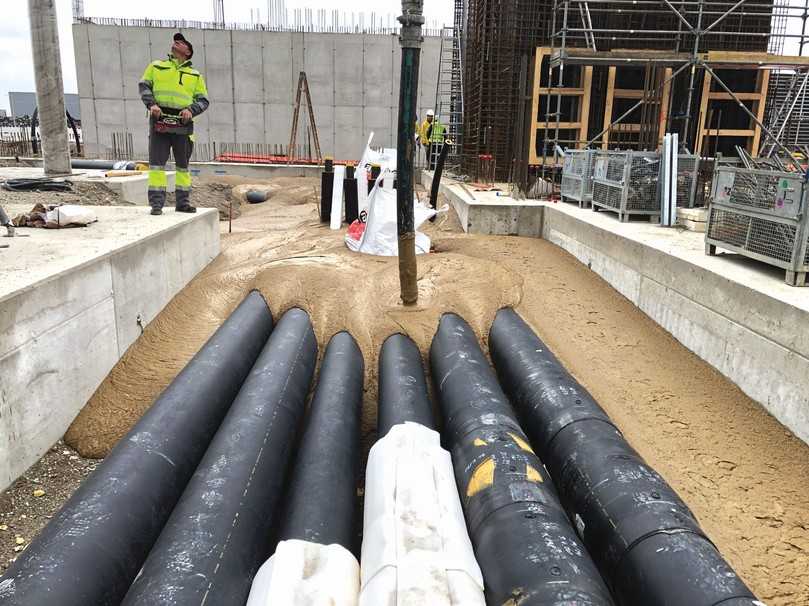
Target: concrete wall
x,y
59,338
252,78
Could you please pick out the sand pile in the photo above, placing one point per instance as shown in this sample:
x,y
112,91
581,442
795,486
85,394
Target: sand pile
x,y
743,474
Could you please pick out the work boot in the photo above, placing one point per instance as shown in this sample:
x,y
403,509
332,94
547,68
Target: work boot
x,y
157,211
10,230
186,208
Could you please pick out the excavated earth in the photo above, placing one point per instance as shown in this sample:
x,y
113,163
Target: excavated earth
x,y
743,474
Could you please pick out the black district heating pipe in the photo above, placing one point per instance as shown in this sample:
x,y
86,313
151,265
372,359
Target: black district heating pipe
x,y
326,190
220,531
92,549
320,505
646,542
403,395
350,195
527,550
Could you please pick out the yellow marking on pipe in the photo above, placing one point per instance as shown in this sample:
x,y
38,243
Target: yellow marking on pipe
x,y
532,475
521,443
482,477
479,442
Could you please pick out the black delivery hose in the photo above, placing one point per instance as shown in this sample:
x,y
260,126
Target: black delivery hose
x,y
527,550
220,531
326,190
646,542
402,387
320,507
92,549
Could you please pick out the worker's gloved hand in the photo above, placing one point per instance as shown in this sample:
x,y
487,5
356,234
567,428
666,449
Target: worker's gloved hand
x,y
155,111
186,115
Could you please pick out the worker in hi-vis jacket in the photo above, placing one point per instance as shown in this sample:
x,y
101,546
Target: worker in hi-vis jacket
x,y
174,93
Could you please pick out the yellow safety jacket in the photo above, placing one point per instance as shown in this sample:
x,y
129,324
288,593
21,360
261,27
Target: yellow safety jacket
x,y
174,85
425,125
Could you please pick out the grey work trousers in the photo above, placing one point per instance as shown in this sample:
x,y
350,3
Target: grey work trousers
x,y
160,145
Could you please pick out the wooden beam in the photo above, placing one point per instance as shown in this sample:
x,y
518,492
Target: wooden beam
x,y
562,125
532,135
664,105
584,105
762,84
568,92
729,132
627,93
723,96
703,111
605,138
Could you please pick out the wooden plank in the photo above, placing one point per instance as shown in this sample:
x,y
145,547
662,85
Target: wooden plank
x,y
763,83
664,105
729,132
532,150
562,125
703,111
568,92
723,96
584,105
627,93
605,138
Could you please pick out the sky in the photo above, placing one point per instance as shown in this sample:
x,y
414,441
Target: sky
x,y
16,65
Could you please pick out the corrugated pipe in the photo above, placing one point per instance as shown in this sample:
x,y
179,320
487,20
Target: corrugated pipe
x,y
415,546
102,164
313,562
220,531
646,542
528,551
92,549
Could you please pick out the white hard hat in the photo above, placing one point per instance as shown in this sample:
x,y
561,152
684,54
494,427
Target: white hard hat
x,y
430,112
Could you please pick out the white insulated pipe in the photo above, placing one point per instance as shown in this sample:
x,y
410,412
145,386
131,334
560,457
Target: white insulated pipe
x,y
49,87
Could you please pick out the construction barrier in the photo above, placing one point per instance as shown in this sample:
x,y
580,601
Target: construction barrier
x,y
524,542
646,542
221,529
94,546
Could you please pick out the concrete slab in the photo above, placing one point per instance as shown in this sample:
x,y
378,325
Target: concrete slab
x,y
258,171
71,302
131,189
736,314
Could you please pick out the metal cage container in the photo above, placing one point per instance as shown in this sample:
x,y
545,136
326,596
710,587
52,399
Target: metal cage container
x,y
687,179
577,176
626,182
763,215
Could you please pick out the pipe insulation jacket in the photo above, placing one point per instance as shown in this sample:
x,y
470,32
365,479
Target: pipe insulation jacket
x,y
525,545
94,546
402,388
313,562
415,546
645,540
221,529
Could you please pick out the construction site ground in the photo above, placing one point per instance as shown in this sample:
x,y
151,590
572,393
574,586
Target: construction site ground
x,y
743,474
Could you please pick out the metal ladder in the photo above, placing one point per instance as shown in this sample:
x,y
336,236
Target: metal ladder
x,y
449,95
783,113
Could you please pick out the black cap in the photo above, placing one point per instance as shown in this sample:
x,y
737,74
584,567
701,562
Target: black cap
x,y
178,37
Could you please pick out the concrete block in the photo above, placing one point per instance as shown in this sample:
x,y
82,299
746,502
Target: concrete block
x,y
348,73
105,58
135,56
377,70
81,53
324,118
219,75
278,121
221,127
378,119
44,384
319,64
279,77
345,133
250,123
248,67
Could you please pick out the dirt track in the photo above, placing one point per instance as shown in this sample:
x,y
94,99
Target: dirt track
x,y
742,473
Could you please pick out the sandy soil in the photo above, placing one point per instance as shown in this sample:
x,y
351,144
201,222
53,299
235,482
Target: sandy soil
x,y
85,193
743,474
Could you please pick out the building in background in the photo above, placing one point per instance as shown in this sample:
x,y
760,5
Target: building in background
x,y
23,104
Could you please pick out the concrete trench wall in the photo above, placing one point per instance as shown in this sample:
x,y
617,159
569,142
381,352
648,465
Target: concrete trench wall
x,y
252,77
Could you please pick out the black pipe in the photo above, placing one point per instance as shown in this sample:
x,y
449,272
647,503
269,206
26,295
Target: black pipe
x,y
326,190
94,546
402,388
647,543
320,507
439,168
220,531
350,195
527,550
102,164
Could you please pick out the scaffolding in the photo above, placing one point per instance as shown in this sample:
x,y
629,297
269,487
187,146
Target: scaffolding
x,y
680,45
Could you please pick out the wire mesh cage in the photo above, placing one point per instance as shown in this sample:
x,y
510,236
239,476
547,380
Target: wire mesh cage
x,y
762,215
626,182
687,179
577,176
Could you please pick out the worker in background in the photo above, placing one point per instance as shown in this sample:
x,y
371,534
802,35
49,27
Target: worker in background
x,y
435,134
174,93
424,138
